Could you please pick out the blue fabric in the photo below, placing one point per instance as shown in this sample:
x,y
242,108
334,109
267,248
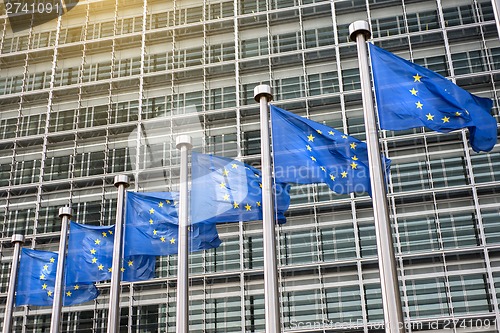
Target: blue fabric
x,y
226,190
409,95
151,226
90,256
36,280
307,152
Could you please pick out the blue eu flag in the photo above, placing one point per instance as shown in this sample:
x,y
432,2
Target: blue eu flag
x,y
152,226
307,152
226,190
36,280
90,256
409,95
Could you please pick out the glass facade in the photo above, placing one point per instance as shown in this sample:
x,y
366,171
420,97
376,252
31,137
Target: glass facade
x,y
105,89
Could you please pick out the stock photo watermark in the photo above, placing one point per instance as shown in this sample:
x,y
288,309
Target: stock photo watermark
x,y
479,324
26,14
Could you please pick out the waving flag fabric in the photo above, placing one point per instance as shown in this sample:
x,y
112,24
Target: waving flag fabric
x,y
151,226
90,256
36,281
409,95
307,152
226,190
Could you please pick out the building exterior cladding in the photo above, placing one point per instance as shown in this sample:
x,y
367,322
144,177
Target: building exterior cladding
x,y
105,89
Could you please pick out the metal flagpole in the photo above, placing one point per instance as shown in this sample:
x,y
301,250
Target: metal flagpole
x,y
55,321
262,94
121,182
18,240
184,144
359,31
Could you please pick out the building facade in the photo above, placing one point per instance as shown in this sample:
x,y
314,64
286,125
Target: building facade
x,y
105,88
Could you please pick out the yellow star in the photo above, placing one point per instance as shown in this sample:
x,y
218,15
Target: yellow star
x,y
167,201
225,172
155,232
344,136
419,105
445,119
313,158
323,168
94,260
101,267
110,269
308,148
110,232
93,251
234,166
331,133
344,174
160,204
151,211
258,203
76,287
150,221
52,260
130,263
248,207
222,185
260,185
332,177
104,234
97,241
172,241
319,132
42,276
458,114
44,286
236,205
417,78
354,165
354,158
353,145
162,239
414,91
68,293
175,203
226,197
430,116
45,267
310,137
122,269
49,293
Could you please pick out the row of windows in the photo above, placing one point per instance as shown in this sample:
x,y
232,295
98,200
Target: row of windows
x,y
467,62
388,26
217,98
422,233
405,176
221,308
428,20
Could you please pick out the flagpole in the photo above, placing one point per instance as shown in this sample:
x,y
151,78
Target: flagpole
x,y
55,321
121,182
359,31
262,94
184,144
17,240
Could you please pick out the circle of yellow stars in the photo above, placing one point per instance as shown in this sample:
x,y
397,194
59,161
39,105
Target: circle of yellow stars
x,y
152,211
353,145
419,105
227,196
49,288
